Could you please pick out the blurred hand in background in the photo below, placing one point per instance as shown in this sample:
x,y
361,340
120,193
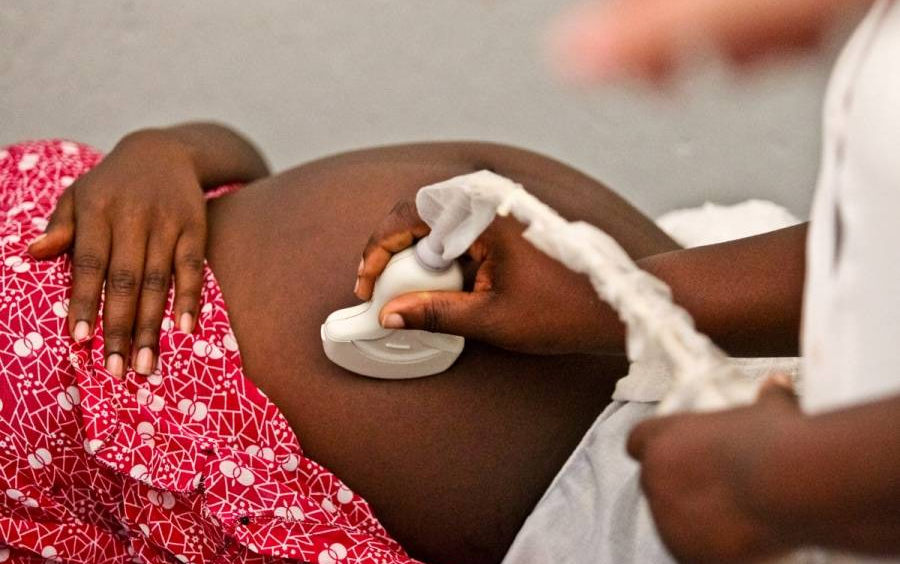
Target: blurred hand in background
x,y
648,38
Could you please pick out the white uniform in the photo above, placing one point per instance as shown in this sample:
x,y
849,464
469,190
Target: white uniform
x,y
851,324
594,512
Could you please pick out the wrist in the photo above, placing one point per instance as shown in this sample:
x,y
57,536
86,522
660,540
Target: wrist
x,y
162,145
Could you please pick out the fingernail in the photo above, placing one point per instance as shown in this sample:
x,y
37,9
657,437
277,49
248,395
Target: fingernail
x,y
392,321
356,286
82,330
186,322
38,239
782,380
115,365
362,266
144,362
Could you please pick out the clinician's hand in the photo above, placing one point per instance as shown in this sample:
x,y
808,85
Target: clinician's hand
x,y
520,300
646,38
711,478
131,221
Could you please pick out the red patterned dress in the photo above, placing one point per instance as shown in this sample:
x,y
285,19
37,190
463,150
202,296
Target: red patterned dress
x,y
190,464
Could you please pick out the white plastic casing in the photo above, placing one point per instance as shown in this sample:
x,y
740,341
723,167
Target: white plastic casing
x,y
354,339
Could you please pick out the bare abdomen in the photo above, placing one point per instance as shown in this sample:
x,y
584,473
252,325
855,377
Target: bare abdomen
x,y
452,464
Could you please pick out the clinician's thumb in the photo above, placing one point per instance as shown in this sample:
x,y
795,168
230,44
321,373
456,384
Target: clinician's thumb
x,y
457,313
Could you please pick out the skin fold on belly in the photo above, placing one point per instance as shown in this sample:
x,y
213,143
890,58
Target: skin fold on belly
x,y
452,464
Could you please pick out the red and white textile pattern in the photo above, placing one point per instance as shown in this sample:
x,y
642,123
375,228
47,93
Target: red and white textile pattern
x,y
191,464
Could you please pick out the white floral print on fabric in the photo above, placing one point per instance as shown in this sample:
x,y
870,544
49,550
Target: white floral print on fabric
x,y
170,467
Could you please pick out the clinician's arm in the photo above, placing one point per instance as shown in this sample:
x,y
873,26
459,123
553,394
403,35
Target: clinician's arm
x,y
772,479
745,294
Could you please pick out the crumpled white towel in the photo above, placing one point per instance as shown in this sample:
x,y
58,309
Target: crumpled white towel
x,y
705,225
714,223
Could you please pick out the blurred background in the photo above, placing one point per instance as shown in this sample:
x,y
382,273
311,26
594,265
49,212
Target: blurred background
x,y
306,78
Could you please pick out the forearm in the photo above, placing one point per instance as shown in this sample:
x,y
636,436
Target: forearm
x,y
219,155
745,294
834,479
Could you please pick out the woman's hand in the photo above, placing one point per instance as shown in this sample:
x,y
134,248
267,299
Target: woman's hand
x,y
646,38
520,300
131,221
712,480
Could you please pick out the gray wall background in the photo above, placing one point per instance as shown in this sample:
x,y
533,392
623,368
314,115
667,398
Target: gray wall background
x,y
305,78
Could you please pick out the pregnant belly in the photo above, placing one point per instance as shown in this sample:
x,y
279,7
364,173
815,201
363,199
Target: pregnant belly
x,y
452,464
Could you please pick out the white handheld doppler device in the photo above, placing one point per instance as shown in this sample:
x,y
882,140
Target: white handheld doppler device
x,y
353,338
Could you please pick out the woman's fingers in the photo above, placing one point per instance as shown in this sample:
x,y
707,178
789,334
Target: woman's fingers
x,y
152,304
133,268
189,253
89,262
397,232
60,231
123,287
124,219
